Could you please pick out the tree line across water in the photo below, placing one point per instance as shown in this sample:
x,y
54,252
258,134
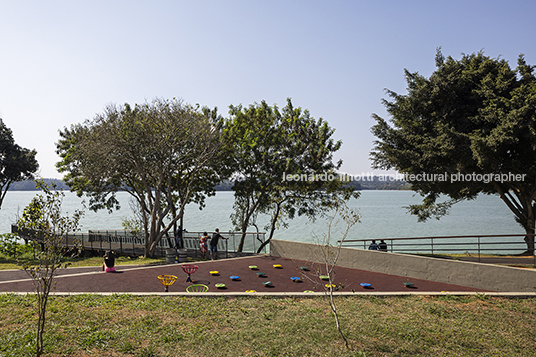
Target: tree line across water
x,y
374,184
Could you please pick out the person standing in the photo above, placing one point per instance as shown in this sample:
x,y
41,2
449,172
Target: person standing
x,y
214,244
373,245
178,238
203,244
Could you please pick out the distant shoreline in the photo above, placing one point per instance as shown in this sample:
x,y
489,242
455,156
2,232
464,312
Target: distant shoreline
x,y
375,184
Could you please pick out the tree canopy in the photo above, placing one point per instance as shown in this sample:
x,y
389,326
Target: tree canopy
x,y
168,153
472,123
164,153
269,149
16,163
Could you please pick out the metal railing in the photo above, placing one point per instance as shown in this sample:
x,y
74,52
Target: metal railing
x,y
472,244
129,243
190,240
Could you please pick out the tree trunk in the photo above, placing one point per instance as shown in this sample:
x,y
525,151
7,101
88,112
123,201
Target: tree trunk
x,y
148,252
152,243
523,210
243,236
264,244
530,226
529,238
245,224
275,217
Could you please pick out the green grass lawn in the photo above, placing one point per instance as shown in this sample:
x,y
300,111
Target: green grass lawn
x,y
144,326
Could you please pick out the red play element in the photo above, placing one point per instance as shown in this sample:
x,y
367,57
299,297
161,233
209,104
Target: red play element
x,y
189,269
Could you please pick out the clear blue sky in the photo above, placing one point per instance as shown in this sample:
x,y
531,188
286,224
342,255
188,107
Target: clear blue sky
x,y
61,62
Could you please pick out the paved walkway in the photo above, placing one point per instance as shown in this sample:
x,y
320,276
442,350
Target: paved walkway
x,y
520,260
143,279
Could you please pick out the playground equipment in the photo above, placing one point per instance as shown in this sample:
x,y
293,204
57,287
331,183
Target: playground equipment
x,y
167,281
295,279
234,277
189,269
261,274
409,285
220,285
214,272
267,283
197,288
278,266
253,267
324,277
366,285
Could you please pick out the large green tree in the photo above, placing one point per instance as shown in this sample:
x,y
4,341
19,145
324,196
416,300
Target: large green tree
x,y
472,121
283,165
16,163
164,153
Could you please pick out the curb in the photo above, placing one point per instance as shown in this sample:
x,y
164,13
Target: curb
x,y
524,295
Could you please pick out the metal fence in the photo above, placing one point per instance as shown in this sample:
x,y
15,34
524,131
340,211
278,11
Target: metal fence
x,y
129,243
473,244
126,242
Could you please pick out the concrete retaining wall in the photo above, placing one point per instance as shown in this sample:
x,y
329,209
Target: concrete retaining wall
x,y
476,275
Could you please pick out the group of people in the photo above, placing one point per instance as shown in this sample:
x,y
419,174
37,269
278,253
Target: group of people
x,y
109,257
382,246
203,243
216,236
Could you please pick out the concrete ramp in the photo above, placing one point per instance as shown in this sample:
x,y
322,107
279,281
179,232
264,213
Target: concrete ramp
x,y
476,275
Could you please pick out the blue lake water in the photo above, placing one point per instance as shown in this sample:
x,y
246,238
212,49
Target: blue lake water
x,y
382,216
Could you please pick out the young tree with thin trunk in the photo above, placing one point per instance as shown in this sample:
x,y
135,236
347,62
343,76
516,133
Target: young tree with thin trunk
x,y
43,219
340,220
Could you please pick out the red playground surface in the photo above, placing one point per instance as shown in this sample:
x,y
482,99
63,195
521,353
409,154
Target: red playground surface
x,y
290,277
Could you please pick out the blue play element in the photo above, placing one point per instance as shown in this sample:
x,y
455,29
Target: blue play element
x,y
295,278
234,277
366,285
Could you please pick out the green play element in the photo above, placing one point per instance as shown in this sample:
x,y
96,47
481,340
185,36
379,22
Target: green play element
x,y
197,288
